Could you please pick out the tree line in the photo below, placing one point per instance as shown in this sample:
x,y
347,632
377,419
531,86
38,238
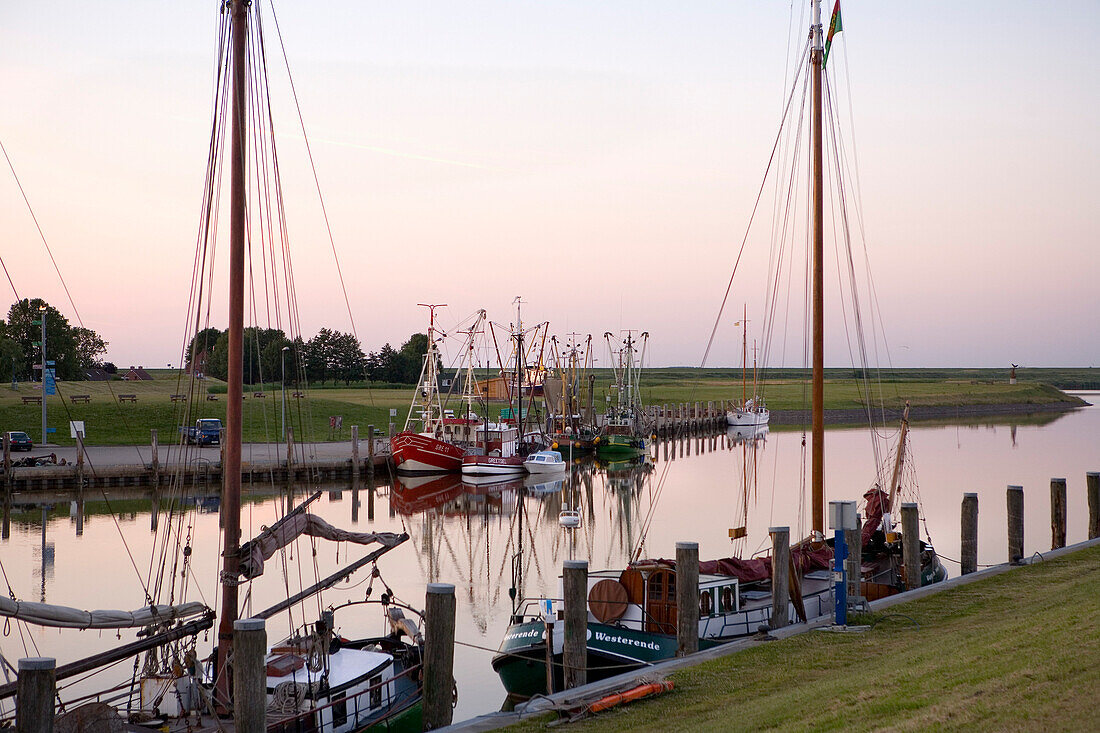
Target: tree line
x,y
329,356
73,349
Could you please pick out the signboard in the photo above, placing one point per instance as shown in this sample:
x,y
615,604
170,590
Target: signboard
x,y
76,426
49,382
393,412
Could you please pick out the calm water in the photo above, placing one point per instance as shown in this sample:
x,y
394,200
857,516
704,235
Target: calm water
x,y
474,537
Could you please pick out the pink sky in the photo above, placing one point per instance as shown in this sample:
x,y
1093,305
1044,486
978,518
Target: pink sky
x,y
599,159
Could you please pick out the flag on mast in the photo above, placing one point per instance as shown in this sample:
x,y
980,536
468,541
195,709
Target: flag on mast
x,y
835,26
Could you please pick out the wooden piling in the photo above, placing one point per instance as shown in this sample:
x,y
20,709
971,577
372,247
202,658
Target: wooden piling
x,y
687,598
969,550
1015,496
910,545
781,564
1092,486
575,652
355,451
249,675
35,691
439,649
1057,513
289,454
80,459
154,447
7,468
370,449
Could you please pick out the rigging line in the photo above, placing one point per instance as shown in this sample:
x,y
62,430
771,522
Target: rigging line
x,y
313,166
37,226
748,227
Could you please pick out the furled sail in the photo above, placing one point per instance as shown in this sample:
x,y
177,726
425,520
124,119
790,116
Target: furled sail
x,y
46,614
255,552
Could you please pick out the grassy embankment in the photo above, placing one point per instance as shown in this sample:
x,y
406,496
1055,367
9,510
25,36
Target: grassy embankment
x,y
110,423
1019,651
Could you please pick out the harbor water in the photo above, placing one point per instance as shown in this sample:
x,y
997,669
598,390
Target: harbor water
x,y
488,539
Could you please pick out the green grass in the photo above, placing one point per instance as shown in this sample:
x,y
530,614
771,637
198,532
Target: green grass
x,y
1019,651
111,423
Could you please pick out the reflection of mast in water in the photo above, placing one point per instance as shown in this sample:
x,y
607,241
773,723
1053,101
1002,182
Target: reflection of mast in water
x,y
748,440
45,553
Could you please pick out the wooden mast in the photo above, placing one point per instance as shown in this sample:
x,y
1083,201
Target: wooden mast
x,y
899,461
818,399
231,468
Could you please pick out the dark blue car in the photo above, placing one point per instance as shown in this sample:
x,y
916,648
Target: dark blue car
x,y
19,440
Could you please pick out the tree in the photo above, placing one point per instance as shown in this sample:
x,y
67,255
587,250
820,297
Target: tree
x,y
318,356
62,340
202,341
347,360
89,347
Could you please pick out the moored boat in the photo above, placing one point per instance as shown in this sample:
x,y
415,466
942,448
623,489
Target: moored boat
x,y
545,461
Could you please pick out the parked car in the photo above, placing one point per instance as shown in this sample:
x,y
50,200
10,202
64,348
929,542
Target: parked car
x,y
207,431
18,440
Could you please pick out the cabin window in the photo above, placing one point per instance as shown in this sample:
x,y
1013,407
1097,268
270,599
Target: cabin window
x,y
375,685
339,710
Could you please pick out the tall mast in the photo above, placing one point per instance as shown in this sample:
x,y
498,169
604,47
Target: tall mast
x,y
231,469
818,400
744,354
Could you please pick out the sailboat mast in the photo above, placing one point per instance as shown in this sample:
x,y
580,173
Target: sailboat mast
x,y
231,469
744,353
818,398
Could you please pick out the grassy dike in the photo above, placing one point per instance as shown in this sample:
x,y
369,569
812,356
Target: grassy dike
x,y
1016,651
108,422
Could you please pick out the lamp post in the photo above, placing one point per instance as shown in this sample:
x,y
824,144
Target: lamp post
x,y
45,366
282,359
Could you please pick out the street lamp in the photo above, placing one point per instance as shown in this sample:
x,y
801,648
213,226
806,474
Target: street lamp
x,y
45,364
282,359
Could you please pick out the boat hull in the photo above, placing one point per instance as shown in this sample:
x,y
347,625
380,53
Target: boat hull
x,y
492,466
611,445
415,454
747,418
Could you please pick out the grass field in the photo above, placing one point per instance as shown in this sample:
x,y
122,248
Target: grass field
x,y
1019,651
109,422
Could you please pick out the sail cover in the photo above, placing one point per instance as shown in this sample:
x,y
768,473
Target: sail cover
x,y
64,617
254,553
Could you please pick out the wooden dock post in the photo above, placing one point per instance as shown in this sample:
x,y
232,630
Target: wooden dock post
x,y
289,456
1015,496
80,459
35,691
249,675
154,446
687,598
355,452
7,468
910,544
853,565
1057,513
1092,486
370,449
969,551
575,643
781,568
439,654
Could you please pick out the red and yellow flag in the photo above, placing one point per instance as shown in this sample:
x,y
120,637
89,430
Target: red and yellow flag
x,y
835,26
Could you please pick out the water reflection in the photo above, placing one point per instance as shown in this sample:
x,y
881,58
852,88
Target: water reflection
x,y
498,542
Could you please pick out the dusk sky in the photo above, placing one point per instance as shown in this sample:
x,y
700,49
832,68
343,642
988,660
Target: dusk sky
x,y
600,159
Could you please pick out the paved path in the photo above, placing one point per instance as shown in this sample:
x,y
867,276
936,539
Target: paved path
x,y
141,455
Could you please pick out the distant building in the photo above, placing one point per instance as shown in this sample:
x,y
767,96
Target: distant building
x,y
137,374
198,364
96,374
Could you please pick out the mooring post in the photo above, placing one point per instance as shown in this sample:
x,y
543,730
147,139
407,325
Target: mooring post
x,y
370,449
853,565
7,468
781,564
355,451
687,598
575,651
1092,485
910,545
249,675
154,447
1057,513
80,459
1015,524
35,690
439,654
969,550
289,455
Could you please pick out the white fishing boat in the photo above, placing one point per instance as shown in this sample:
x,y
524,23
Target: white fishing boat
x,y
545,461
